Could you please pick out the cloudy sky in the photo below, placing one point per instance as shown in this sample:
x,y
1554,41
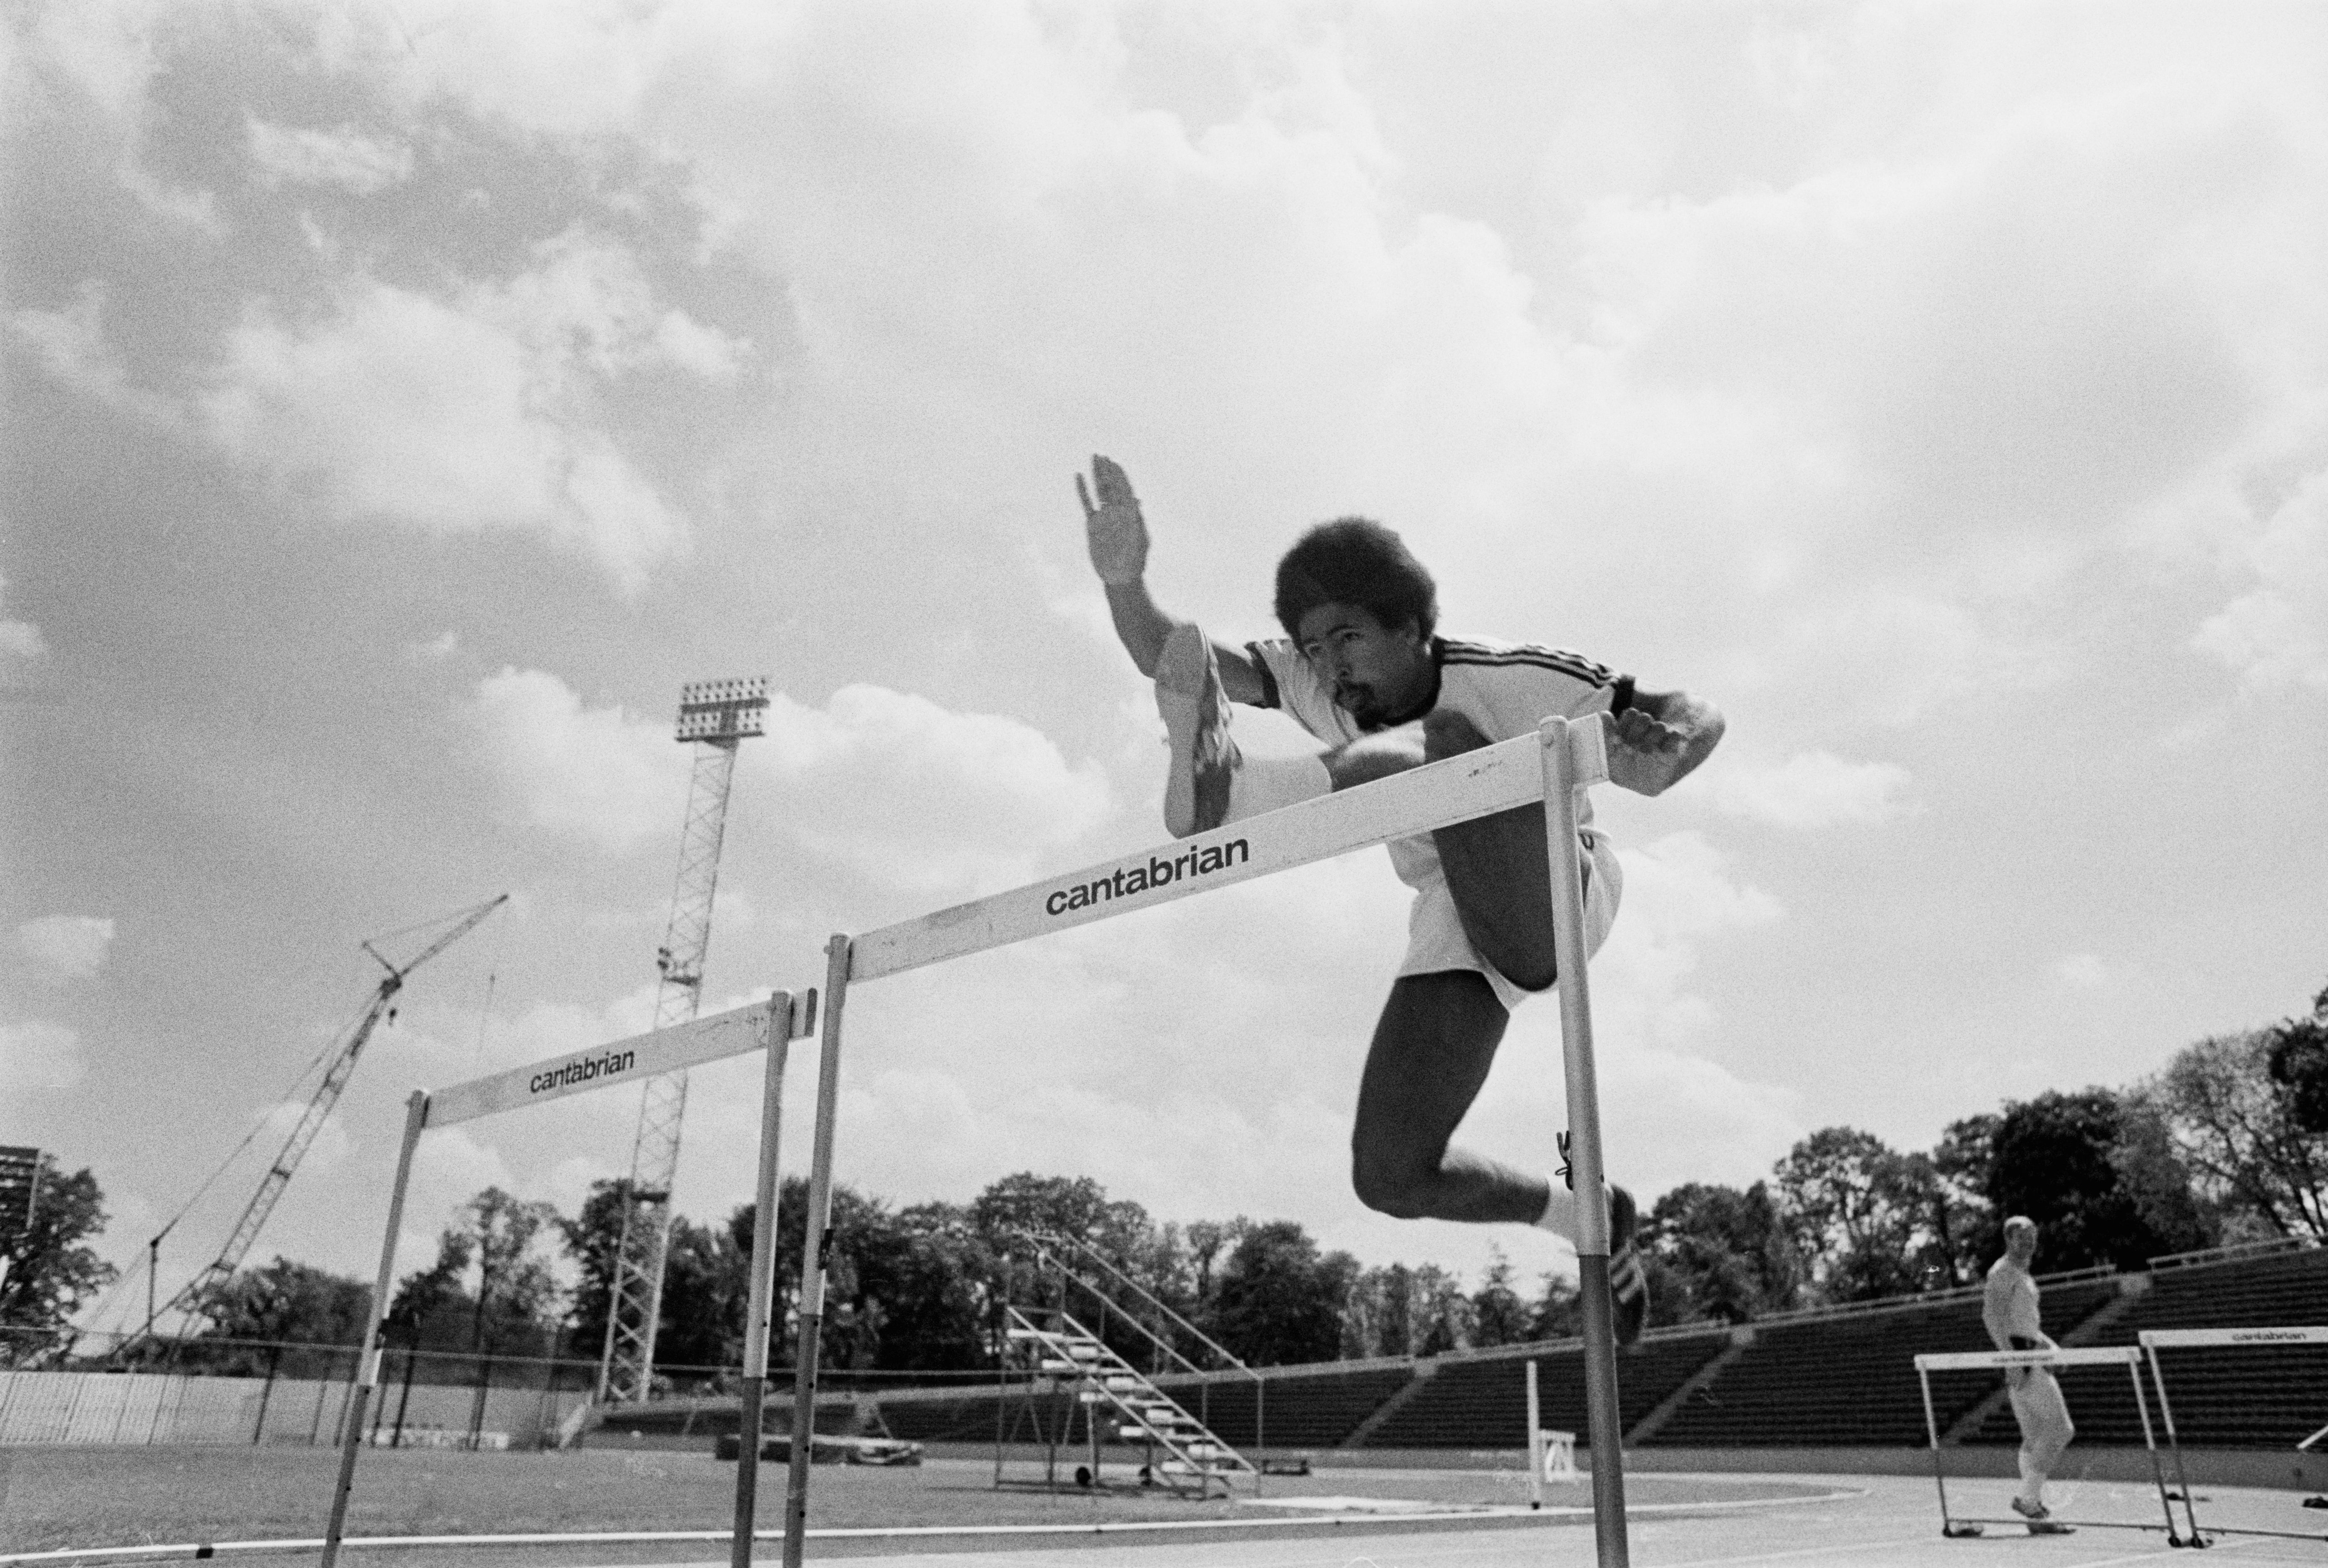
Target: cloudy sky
x,y
405,396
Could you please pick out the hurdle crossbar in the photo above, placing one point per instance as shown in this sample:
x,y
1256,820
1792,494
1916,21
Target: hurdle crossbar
x,y
1548,767
2009,1361
733,1033
2153,1340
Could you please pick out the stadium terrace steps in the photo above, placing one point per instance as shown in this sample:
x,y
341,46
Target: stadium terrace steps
x,y
1481,1400
1850,1380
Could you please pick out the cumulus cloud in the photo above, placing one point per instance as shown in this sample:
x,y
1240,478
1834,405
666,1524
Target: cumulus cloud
x,y
601,775
2084,971
1679,893
23,650
346,157
893,785
70,344
1811,788
923,797
326,1152
69,947
2276,635
37,1056
455,416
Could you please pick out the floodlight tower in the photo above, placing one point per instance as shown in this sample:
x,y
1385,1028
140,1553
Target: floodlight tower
x,y
716,716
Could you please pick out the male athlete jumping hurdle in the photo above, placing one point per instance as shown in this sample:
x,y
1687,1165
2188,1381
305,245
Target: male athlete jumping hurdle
x,y
1363,668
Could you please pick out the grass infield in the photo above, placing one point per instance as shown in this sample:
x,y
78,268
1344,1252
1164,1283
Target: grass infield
x,y
54,1497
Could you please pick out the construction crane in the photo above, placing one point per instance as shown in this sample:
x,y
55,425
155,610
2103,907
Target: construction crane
x,y
194,1299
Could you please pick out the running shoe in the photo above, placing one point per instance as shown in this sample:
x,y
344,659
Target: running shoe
x,y
2040,1519
1195,711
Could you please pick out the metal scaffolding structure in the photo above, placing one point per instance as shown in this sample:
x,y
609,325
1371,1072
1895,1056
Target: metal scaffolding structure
x,y
716,716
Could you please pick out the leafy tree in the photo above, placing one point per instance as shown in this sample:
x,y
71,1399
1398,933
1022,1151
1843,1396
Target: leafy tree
x,y
1279,1301
593,1239
288,1301
2240,1133
515,1290
1725,1254
1557,1312
2299,1065
2057,1160
1970,1229
52,1271
1378,1314
1861,1214
706,1295
428,1311
2151,1172
1072,1207
1499,1315
512,1294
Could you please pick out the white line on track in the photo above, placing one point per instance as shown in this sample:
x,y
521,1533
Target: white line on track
x,y
907,1532
1794,1554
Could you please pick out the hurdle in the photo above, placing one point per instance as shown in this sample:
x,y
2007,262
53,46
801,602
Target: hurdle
x,y
1550,766
2153,1340
1956,1526
770,1026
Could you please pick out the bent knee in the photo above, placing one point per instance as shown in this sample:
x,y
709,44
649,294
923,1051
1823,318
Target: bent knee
x,y
1447,733
1385,1191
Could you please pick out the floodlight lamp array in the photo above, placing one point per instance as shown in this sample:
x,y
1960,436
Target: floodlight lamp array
x,y
723,709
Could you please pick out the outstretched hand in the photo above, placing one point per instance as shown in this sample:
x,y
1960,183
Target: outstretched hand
x,y
1113,528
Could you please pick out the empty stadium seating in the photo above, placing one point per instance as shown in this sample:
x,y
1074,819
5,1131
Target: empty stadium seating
x,y
1843,1379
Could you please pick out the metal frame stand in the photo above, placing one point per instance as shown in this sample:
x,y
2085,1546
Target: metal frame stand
x,y
1963,1527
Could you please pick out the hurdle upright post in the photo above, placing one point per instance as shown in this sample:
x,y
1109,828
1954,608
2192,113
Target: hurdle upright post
x,y
816,1244
1575,756
757,1323
416,1117
1535,1454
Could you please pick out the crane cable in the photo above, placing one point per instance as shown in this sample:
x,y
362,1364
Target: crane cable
x,y
260,1124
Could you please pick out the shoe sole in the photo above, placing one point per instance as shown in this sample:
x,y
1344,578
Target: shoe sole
x,y
1195,792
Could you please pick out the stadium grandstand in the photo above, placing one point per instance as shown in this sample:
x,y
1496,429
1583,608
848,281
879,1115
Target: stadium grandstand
x,y
1822,1378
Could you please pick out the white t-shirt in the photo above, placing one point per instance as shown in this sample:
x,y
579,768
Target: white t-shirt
x,y
1507,688
2009,1304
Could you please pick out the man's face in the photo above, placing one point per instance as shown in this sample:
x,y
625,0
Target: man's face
x,y
2023,1245
1376,671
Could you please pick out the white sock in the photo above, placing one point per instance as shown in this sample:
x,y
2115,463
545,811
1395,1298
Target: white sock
x,y
1559,1216
1265,784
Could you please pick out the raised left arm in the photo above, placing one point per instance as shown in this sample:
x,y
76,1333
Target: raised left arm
x,y
1660,740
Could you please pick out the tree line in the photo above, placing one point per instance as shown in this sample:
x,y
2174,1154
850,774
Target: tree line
x,y
2227,1143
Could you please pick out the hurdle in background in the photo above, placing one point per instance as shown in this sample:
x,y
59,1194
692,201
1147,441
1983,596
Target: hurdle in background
x,y
2127,1356
769,1026
1550,766
1551,1455
2153,1340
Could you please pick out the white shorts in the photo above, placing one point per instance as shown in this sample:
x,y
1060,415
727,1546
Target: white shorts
x,y
1435,941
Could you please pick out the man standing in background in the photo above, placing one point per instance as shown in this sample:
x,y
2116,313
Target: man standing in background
x,y
2009,1312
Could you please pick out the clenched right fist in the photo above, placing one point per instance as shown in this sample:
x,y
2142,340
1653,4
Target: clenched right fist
x,y
1113,530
